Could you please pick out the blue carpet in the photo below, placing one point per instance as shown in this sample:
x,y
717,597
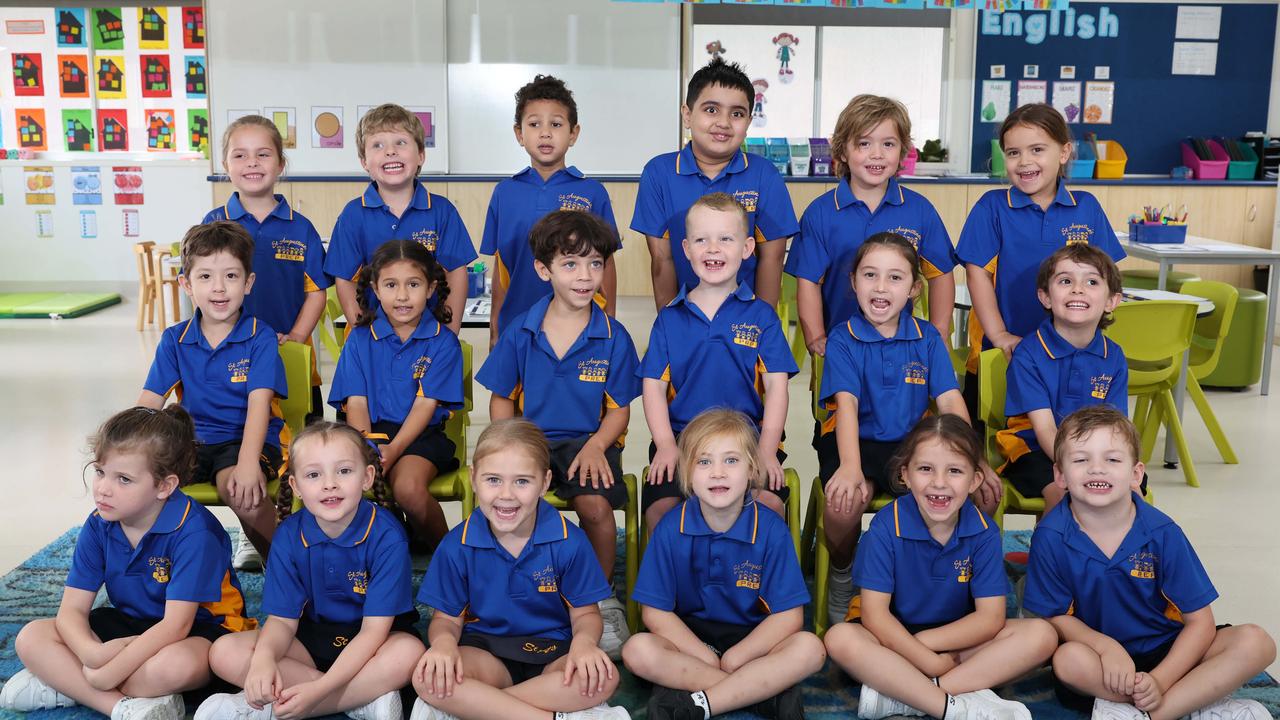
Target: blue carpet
x,y
33,589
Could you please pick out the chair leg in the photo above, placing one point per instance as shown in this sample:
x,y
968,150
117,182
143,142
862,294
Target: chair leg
x,y
821,568
631,541
177,307
1150,429
793,507
1211,421
810,527
1141,409
143,290
1175,427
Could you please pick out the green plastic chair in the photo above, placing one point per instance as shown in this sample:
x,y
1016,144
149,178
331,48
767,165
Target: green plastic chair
x,y
456,485
327,328
1154,335
789,315
1206,350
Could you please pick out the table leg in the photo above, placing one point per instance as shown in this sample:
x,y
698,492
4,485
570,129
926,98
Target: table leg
x,y
1273,272
1163,278
1179,395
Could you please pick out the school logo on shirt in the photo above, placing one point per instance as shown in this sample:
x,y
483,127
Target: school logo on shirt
x,y
359,580
420,367
912,236
535,648
159,568
964,570
239,370
748,199
746,334
746,574
1144,565
593,370
573,201
915,373
286,249
546,579
1077,233
429,239
1099,386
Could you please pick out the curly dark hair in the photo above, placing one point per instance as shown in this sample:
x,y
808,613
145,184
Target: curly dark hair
x,y
546,87
394,251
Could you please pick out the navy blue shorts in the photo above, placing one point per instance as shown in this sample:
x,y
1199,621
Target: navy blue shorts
x,y
524,657
110,623
324,642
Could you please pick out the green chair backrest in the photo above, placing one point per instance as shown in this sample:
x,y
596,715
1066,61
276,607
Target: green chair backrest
x,y
993,371
1211,331
1154,334
297,372
820,411
456,426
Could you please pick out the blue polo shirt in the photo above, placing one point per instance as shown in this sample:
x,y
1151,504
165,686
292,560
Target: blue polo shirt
x,y
893,378
527,596
213,384
716,362
517,204
834,226
931,583
288,260
391,373
1049,373
186,556
1135,597
671,183
566,397
740,576
1008,234
364,572
366,223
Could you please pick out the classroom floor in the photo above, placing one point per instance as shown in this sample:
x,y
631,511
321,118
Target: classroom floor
x,y
61,378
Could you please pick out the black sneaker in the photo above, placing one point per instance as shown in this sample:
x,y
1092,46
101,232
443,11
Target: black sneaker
x,y
668,704
786,705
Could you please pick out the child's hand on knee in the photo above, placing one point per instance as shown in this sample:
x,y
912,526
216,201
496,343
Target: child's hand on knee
x,y
591,467
246,486
298,701
262,685
103,653
663,467
101,679
734,658
1117,671
846,489
1147,692
773,475
439,670
592,666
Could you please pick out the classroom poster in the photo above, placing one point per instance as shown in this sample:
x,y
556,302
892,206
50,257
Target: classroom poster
x,y
28,74
234,115
161,130
153,28
1066,98
1032,91
198,131
32,130
70,27
193,28
155,76
1099,101
86,185
326,127
426,116
996,96
39,184
73,76
113,130
127,181
129,222
195,78
44,224
108,28
110,72
88,224
781,62
286,121
77,130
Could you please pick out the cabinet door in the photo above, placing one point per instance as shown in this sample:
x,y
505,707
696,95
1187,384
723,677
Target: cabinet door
x,y
321,202
221,192
1259,216
951,202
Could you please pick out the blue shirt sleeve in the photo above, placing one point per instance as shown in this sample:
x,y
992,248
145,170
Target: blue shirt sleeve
x,y
782,586
980,238
989,579
775,215
622,386
266,369
390,588
1106,237
874,562
443,379
773,348
808,258
346,245
942,374
582,581
604,208
88,563
841,368
655,584
1047,592
284,594
455,248
656,359
199,565
502,371
211,216
653,209
313,264
935,243
489,240
164,374
1118,393
351,376
1184,581
445,586
1025,388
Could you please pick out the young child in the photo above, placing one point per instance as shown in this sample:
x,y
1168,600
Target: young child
x,y
883,369
1018,227
288,257
714,345
514,589
396,206
1070,365
571,369
931,637
338,597
717,113
166,563
871,138
400,377
225,368
1130,600
721,588
546,126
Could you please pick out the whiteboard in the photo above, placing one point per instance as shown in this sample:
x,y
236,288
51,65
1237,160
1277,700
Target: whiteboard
x,y
621,60
325,60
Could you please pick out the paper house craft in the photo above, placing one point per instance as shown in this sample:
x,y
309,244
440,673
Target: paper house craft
x,y
151,25
110,27
195,77
74,81
110,76
30,133
155,74
199,131
26,73
114,135
70,30
193,27
159,133
79,137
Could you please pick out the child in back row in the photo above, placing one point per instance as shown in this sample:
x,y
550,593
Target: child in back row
x,y
721,588
871,138
1069,366
224,366
717,113
514,589
715,345
931,636
883,368
546,127
396,206
166,564
1120,582
338,596
400,377
571,369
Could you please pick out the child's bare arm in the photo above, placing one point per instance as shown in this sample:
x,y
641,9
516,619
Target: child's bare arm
x,y
769,270
942,304
670,627
308,316
610,287
440,667
1045,429
415,423
501,408
174,626
772,426
298,701
662,270
765,637
657,415
979,626
347,298
151,400
457,300
982,291
891,633
1197,634
809,311
590,464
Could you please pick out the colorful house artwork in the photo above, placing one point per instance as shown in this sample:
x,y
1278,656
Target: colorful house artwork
x,y
27,74
199,130
74,76
196,77
155,75
113,133
79,137
193,27
110,26
70,28
151,26
110,76
160,135
31,130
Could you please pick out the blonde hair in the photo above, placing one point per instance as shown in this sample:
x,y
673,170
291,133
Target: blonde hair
x,y
862,115
327,432
720,202
390,117
513,432
718,423
257,121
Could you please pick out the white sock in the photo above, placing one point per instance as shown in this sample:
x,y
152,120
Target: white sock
x,y
842,572
700,699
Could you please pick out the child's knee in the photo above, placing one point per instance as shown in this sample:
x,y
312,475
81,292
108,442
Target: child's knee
x,y
1040,634
1255,641
808,651
33,635
773,502
638,653
593,509
229,655
1074,663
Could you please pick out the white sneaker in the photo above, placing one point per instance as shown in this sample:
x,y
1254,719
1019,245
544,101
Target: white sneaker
x,y
167,707
985,705
839,594
873,705
616,631
383,707
25,692
246,556
1232,709
1107,710
423,711
225,706
1020,711
599,712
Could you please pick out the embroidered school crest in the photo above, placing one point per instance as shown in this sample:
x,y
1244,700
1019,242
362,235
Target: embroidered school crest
x,y
1099,386
1077,233
537,648
420,367
915,373
286,249
428,239
911,236
239,370
593,370
159,568
746,574
964,570
359,580
1143,565
746,334
574,201
748,199
546,579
